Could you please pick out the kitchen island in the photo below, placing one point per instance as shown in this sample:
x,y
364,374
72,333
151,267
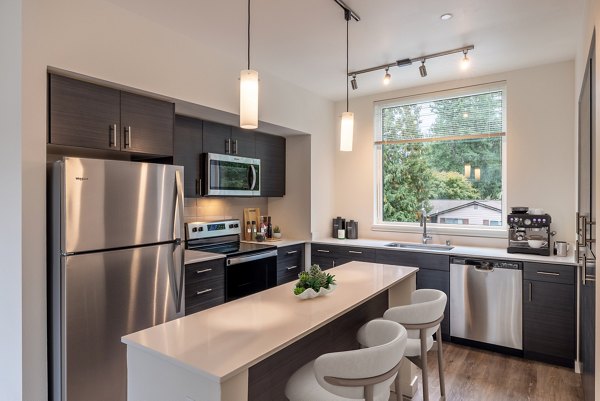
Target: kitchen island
x,y
246,349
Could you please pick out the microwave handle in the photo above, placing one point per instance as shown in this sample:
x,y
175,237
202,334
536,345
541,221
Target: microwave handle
x,y
252,176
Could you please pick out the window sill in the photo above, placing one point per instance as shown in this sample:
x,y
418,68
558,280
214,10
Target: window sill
x,y
442,229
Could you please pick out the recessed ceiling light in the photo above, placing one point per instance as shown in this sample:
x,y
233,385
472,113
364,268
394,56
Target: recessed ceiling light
x,y
446,17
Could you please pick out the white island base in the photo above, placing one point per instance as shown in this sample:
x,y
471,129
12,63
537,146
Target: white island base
x,y
246,349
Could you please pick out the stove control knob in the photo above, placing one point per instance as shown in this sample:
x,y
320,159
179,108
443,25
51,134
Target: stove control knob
x,y
236,225
527,222
194,229
231,226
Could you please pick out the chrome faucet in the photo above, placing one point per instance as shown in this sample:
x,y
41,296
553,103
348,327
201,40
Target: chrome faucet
x,y
424,225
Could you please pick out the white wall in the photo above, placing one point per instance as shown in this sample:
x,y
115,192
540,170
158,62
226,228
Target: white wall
x,y
540,145
102,40
11,278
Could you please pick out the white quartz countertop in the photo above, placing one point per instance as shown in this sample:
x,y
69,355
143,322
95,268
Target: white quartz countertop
x,y
470,251
199,256
222,341
281,243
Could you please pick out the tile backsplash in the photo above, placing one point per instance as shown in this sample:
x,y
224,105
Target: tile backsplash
x,y
209,209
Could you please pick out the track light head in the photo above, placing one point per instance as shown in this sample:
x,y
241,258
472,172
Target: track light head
x,y
387,77
423,69
354,83
465,61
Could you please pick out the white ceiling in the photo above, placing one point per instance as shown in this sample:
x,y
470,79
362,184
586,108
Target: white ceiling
x,y
303,41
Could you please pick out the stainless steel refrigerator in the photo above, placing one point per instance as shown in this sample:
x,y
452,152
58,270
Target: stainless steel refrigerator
x,y
116,268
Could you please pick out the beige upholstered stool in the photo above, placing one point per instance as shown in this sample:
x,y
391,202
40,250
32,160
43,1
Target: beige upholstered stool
x,y
421,319
363,374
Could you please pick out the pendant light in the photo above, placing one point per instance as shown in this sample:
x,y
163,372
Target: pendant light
x,y
249,91
347,126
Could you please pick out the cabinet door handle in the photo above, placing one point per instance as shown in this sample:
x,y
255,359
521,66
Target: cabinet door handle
x,y
203,271
358,252
128,137
235,148
530,291
291,252
203,291
197,186
227,146
113,136
322,250
292,267
548,273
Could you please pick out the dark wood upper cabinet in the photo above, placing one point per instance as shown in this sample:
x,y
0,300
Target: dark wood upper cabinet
x,y
83,114
242,142
93,116
228,140
216,138
147,125
187,152
270,149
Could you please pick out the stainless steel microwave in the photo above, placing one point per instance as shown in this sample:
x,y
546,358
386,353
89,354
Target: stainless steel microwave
x,y
228,175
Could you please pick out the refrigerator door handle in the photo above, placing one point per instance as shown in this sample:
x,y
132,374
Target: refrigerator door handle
x,y
177,233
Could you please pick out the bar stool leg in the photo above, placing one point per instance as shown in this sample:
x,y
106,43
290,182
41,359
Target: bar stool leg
x,y
398,384
424,365
441,364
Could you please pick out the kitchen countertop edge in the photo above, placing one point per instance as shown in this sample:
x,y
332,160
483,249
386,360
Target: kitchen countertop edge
x,y
469,251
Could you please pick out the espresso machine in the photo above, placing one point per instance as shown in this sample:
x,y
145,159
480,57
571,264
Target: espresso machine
x,y
529,233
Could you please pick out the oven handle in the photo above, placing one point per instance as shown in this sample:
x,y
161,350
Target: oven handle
x,y
257,256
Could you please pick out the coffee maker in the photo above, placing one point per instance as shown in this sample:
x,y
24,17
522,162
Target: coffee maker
x,y
528,233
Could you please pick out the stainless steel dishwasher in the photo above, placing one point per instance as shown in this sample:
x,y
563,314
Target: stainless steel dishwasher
x,y
486,298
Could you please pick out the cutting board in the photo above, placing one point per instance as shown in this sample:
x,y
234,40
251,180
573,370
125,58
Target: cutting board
x,y
250,214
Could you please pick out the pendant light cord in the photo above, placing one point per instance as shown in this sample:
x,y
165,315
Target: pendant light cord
x,y
347,16
248,34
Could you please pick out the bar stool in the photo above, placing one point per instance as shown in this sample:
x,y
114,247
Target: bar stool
x,y
362,374
421,319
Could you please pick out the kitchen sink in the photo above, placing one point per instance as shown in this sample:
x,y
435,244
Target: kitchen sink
x,y
408,245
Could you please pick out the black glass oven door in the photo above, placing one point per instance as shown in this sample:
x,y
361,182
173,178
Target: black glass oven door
x,y
249,277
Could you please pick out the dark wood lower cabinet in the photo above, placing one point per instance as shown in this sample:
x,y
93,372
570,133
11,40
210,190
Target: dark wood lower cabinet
x,y
204,285
549,322
434,272
267,379
290,262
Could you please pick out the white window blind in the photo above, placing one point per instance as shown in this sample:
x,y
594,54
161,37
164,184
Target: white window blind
x,y
474,116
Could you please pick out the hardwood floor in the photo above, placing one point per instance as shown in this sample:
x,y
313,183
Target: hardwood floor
x,y
475,375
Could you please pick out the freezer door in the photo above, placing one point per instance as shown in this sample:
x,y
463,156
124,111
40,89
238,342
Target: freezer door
x,y
110,204
104,297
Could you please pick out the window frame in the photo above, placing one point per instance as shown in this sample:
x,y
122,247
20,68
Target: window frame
x,y
437,228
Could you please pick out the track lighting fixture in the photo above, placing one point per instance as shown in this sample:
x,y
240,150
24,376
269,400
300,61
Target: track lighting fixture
x,y
465,61
409,61
423,69
354,83
387,77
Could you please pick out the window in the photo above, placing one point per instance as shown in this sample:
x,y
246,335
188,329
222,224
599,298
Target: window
x,y
443,152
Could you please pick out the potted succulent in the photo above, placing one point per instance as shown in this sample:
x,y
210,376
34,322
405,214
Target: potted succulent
x,y
313,283
276,232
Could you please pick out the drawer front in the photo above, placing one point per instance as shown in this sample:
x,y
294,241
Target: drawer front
x,y
204,294
287,277
323,249
561,274
413,259
290,255
325,262
355,253
205,271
